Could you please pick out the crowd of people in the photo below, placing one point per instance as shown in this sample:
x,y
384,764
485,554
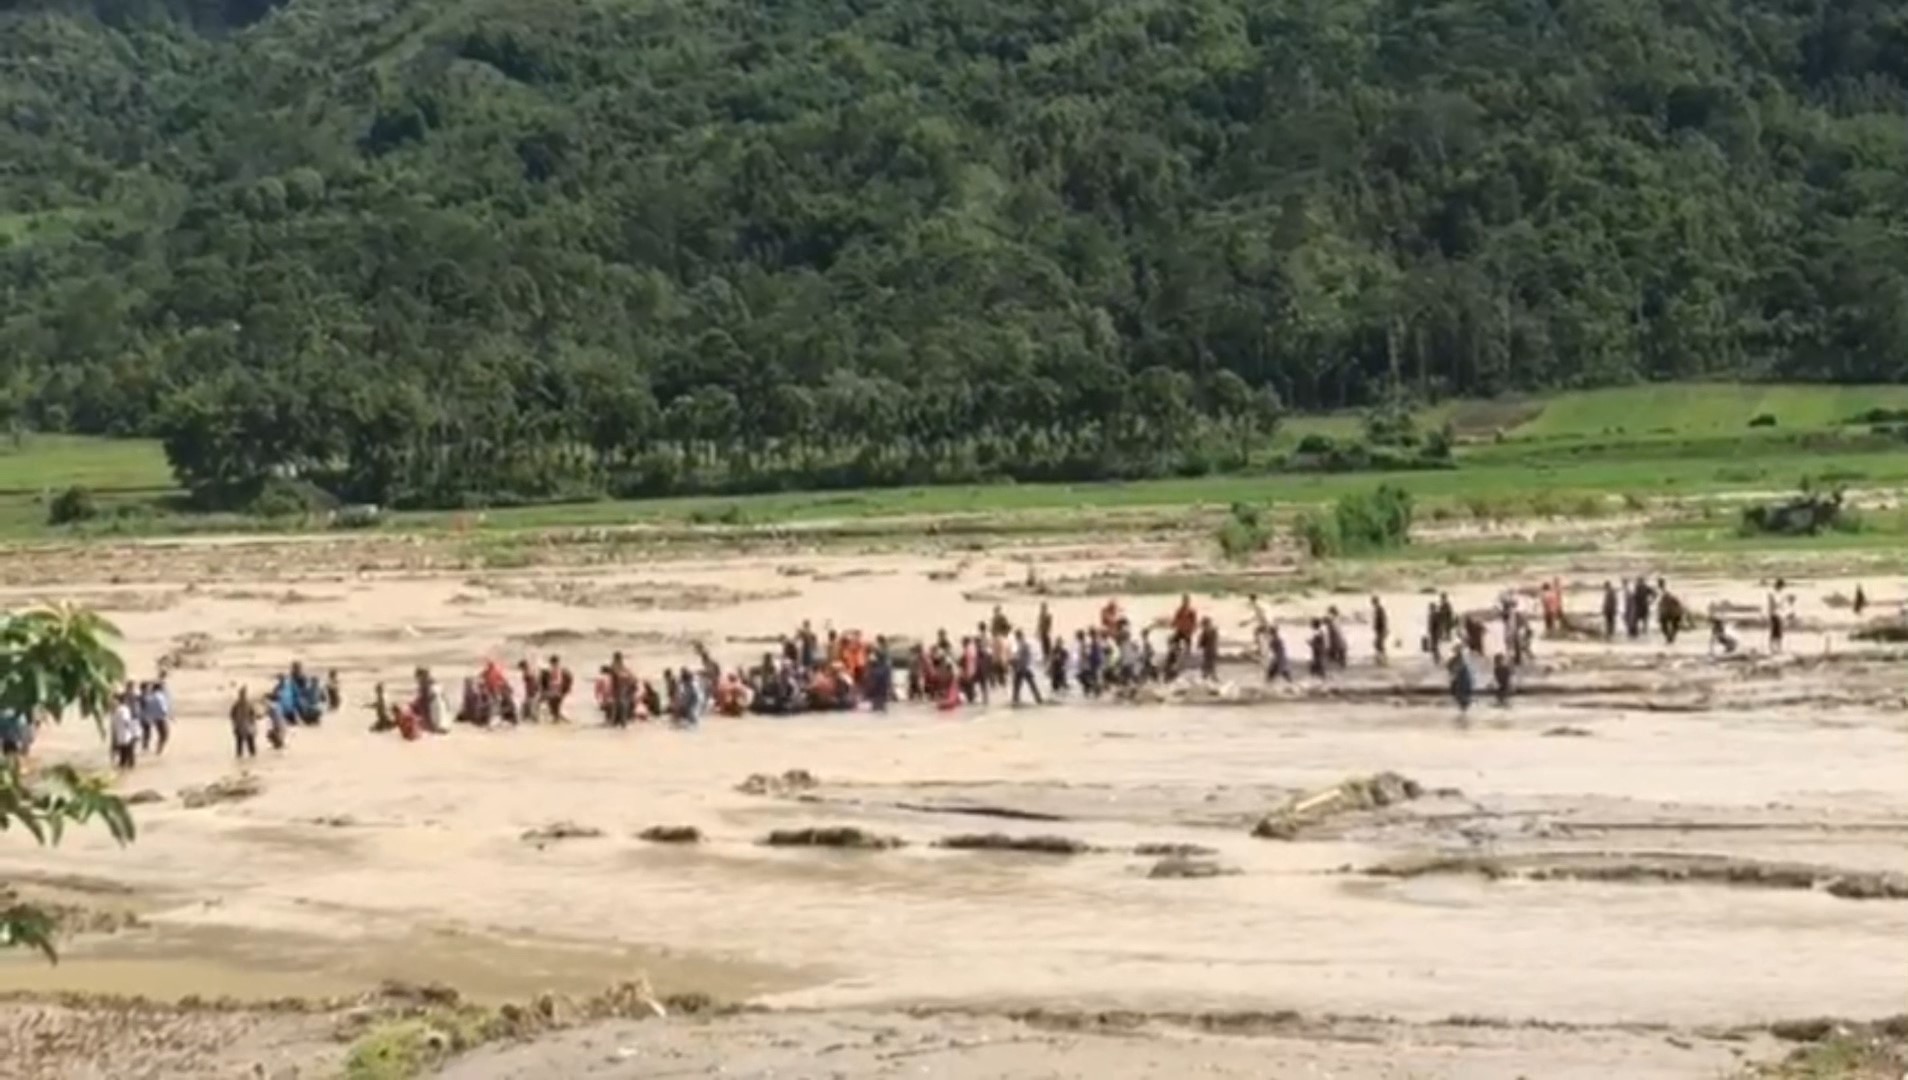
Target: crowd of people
x,y
827,670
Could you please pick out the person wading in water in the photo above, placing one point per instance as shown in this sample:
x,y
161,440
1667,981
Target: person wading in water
x,y
1280,664
1380,629
1463,683
1208,650
555,684
245,725
1023,661
1669,615
1057,665
1185,623
1775,617
1336,650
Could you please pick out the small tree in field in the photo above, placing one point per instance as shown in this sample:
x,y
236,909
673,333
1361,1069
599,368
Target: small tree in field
x,y
53,659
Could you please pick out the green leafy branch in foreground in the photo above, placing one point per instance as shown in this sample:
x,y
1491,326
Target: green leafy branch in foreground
x,y
53,659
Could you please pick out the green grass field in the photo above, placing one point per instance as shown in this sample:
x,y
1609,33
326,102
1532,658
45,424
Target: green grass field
x,y
53,463
1575,453
1691,410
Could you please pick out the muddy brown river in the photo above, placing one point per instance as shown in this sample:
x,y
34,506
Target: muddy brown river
x,y
364,857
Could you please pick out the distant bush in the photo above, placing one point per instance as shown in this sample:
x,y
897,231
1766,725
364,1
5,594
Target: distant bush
x,y
1391,424
1880,416
1762,420
359,516
283,498
1316,444
1244,533
1318,535
1360,457
1587,506
1493,508
75,504
729,514
1377,520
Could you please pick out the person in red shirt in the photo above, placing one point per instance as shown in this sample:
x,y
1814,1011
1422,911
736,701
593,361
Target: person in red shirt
x,y
1185,622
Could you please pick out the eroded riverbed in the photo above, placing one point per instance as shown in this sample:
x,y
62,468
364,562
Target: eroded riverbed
x,y
363,858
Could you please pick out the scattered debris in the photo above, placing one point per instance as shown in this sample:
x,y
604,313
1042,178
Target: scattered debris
x,y
543,639
1848,885
145,797
1006,812
1807,514
636,595
231,789
835,836
1359,793
1868,886
1565,731
431,993
790,782
1807,1030
1043,845
1173,850
1883,631
671,834
561,830
188,651
1181,867
1841,1049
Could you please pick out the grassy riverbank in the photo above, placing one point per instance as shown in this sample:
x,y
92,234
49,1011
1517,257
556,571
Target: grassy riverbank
x,y
1577,454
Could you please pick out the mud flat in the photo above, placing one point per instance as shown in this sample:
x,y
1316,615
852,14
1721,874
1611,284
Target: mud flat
x,y
1624,936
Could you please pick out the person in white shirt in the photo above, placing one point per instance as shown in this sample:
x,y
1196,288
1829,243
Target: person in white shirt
x,y
124,731
1024,668
1261,625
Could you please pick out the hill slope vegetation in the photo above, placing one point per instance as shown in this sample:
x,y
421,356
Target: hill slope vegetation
x,y
439,250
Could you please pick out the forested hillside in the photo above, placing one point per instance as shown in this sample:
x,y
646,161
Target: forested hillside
x,y
428,251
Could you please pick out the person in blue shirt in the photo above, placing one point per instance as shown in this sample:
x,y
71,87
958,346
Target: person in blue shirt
x,y
306,697
281,705
155,718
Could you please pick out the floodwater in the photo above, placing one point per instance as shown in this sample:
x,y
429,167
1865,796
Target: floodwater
x,y
368,858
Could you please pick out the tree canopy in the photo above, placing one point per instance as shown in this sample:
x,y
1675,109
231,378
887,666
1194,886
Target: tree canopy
x,y
437,250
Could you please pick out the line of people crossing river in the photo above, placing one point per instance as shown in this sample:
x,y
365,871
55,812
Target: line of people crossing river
x,y
829,670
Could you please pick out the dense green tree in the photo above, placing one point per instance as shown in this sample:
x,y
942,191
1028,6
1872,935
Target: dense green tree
x,y
422,252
